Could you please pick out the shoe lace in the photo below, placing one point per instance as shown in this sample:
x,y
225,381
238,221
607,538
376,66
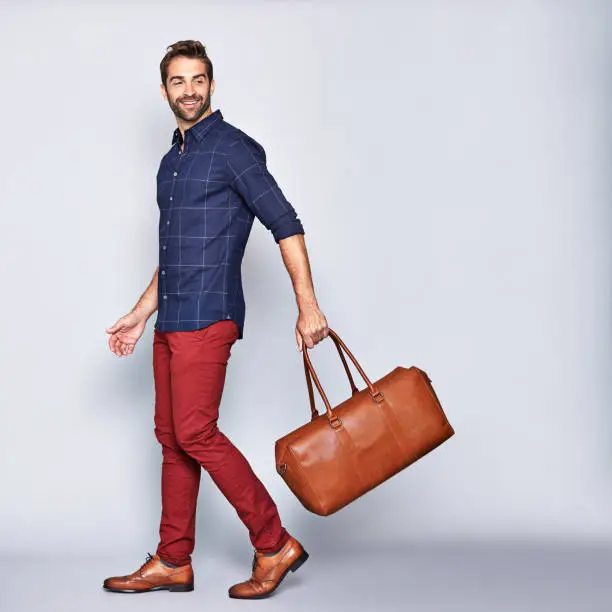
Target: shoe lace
x,y
149,558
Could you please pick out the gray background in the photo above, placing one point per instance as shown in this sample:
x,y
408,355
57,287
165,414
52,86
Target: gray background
x,y
450,163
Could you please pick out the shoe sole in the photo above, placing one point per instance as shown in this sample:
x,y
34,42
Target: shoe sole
x,y
177,588
293,567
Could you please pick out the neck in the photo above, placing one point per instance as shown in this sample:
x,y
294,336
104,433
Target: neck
x,y
185,125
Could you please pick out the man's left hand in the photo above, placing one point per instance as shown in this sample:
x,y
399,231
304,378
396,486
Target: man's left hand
x,y
311,327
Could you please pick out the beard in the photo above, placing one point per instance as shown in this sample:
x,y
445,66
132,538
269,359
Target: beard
x,y
190,114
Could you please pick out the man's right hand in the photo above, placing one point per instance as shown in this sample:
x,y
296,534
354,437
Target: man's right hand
x,y
125,333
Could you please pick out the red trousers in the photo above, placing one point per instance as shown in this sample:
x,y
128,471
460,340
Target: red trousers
x,y
189,371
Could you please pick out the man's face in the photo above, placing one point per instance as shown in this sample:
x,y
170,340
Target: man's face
x,y
188,88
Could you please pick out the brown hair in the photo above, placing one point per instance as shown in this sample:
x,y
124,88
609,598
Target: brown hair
x,y
193,49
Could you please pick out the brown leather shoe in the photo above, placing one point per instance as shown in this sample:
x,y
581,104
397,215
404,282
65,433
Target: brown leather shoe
x,y
268,571
152,575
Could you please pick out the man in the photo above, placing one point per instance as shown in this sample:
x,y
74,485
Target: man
x,y
210,185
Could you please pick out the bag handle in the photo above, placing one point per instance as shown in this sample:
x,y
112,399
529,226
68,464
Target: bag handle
x,y
334,421
354,388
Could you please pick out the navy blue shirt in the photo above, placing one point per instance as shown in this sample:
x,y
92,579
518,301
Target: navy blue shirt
x,y
208,196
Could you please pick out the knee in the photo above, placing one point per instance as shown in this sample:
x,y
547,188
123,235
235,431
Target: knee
x,y
171,449
166,438
200,437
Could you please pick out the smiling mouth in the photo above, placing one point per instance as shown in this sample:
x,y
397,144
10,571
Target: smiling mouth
x,y
189,103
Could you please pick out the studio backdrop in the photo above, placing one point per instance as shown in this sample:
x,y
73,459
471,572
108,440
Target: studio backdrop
x,y
450,164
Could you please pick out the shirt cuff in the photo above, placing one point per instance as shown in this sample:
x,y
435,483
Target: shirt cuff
x,y
287,225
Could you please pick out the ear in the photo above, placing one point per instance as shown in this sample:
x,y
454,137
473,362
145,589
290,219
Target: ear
x,y
212,87
164,93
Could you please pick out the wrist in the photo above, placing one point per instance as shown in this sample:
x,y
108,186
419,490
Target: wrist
x,y
142,312
307,302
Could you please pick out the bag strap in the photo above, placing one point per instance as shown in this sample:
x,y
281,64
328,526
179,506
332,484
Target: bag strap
x,y
354,388
334,421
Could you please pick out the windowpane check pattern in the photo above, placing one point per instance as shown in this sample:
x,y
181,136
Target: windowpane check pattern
x,y
208,196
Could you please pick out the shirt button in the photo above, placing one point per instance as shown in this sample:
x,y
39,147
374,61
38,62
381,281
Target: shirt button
x,y
165,297
175,173
164,247
163,271
168,222
170,197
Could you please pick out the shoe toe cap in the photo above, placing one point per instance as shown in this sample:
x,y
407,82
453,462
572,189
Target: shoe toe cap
x,y
115,582
241,589
234,590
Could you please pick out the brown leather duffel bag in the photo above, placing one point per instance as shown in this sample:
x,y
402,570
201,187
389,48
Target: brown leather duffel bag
x,y
338,456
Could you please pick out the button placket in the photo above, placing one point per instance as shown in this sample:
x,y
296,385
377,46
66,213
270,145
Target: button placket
x,y
171,198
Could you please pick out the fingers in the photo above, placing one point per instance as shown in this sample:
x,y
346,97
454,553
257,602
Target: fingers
x,y
323,333
127,348
311,338
318,335
112,343
309,341
304,339
116,345
119,347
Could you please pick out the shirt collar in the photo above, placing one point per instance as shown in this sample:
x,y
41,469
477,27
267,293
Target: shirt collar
x,y
199,129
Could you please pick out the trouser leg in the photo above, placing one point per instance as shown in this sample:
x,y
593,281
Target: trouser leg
x,y
180,473
198,368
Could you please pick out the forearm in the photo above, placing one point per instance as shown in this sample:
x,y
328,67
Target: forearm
x,y
147,304
295,257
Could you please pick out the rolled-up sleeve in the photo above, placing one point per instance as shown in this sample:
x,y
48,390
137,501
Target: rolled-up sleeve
x,y
251,179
